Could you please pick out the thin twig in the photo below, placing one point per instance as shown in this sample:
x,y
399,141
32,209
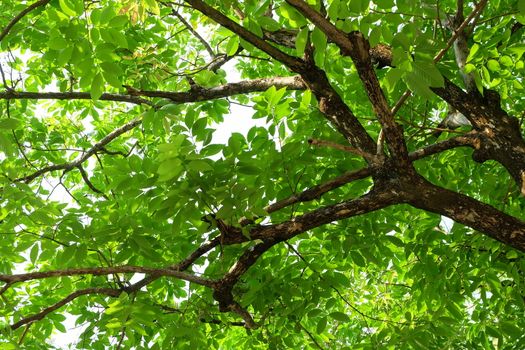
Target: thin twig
x,y
367,156
442,52
88,182
194,32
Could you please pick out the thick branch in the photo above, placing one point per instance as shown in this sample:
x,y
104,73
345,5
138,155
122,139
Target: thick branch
x,y
468,211
315,192
330,103
500,134
357,47
292,62
372,201
242,87
356,151
223,288
101,271
197,95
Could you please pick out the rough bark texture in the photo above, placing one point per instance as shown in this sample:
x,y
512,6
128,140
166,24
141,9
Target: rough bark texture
x,y
495,136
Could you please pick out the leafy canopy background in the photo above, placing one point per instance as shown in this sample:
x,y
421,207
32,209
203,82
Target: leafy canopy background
x,y
164,239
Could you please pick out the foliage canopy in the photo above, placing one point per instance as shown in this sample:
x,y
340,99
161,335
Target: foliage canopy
x,y
324,226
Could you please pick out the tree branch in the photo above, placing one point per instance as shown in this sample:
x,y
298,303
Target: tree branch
x,y
247,86
18,17
457,32
357,47
38,316
101,271
88,182
468,140
74,164
367,156
25,95
198,95
230,89
292,62
194,32
330,103
468,211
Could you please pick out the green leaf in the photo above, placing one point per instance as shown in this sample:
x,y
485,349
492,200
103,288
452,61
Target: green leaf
x,y
33,254
248,169
268,23
321,325
485,74
493,65
314,313
473,51
153,6
232,46
118,21
339,316
68,7
358,259
396,241
57,43
10,123
170,169
306,98
112,73
454,310
392,77
509,328
301,40
319,41
521,7
418,85
199,165
97,87
429,73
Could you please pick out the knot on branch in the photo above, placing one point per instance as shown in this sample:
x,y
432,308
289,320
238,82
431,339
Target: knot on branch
x,y
222,293
360,47
381,55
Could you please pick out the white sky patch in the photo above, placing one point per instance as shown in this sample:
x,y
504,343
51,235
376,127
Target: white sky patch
x,y
240,117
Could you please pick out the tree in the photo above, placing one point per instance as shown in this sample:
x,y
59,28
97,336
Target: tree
x,y
327,228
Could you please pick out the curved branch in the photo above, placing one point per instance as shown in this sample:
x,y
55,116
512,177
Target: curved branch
x,y
40,315
330,103
196,95
18,17
358,48
101,271
76,163
468,140
292,62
